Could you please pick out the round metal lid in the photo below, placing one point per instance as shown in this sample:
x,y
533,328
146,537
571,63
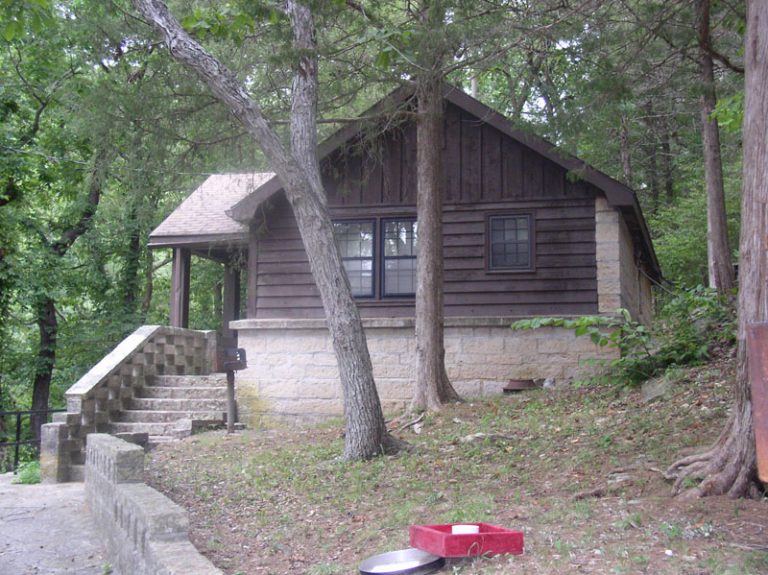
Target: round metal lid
x,y
403,562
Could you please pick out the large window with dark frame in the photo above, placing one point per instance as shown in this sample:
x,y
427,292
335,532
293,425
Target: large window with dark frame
x,y
356,244
399,254
510,242
394,258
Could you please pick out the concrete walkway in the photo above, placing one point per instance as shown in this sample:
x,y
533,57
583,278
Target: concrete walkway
x,y
47,530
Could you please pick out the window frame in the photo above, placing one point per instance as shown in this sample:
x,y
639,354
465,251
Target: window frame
x,y
531,267
382,292
378,294
373,258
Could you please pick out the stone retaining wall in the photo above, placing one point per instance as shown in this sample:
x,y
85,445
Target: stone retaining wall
x,y
292,369
145,533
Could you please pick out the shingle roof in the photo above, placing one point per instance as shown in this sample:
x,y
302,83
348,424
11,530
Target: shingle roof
x,y
203,213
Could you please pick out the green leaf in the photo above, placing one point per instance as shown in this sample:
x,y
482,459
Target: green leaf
x,y
383,59
13,30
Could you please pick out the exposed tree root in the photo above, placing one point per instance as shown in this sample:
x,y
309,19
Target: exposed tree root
x,y
727,468
390,445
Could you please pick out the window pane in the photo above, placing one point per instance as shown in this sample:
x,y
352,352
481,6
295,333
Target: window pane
x,y
355,239
360,274
400,238
400,276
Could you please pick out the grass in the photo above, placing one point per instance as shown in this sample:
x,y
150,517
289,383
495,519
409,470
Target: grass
x,y
281,500
28,473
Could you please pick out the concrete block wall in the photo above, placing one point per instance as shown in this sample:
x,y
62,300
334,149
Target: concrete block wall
x,y
145,533
292,369
620,281
97,397
608,255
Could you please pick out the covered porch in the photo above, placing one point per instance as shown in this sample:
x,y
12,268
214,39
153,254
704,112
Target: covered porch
x,y
200,227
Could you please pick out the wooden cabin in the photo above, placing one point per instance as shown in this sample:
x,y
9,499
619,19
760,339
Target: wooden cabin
x,y
528,232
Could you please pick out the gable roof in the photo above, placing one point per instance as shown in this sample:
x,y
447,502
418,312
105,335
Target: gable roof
x,y
219,211
202,216
617,194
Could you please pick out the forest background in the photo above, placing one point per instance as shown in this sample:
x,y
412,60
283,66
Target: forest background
x,y
103,135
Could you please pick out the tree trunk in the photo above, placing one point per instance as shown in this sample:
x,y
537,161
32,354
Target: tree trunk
x,y
666,162
149,282
626,153
48,328
730,465
129,273
366,434
432,385
46,306
433,388
721,274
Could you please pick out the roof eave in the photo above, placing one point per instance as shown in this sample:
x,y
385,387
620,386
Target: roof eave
x,y
214,240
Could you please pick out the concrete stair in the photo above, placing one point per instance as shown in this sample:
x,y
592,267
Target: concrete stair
x,y
173,406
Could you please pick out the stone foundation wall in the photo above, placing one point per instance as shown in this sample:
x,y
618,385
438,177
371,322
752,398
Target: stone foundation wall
x,y
292,369
145,532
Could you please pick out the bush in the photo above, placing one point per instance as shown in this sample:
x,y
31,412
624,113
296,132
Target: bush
x,y
28,473
689,326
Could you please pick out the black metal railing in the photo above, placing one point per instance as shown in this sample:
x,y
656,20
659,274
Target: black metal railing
x,y
17,431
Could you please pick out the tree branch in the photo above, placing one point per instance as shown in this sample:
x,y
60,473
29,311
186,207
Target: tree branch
x,y
101,160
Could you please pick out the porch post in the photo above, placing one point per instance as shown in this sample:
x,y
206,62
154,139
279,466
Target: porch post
x,y
253,270
179,316
231,305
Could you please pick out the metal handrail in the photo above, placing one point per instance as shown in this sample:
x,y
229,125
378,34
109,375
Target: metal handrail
x,y
18,441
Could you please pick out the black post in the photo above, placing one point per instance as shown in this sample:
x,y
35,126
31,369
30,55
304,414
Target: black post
x,y
18,442
231,401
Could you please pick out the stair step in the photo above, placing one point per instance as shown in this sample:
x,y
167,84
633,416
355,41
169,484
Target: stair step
x,y
76,472
176,404
167,428
181,392
174,429
215,380
158,416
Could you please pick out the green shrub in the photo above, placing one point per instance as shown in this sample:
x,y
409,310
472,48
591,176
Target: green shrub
x,y
689,326
28,473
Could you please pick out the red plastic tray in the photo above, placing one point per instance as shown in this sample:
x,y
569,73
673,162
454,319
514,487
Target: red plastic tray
x,y
492,540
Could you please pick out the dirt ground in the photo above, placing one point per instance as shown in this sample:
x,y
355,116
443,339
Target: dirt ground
x,y
578,470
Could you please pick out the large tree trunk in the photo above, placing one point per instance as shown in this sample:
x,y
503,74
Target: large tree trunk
x,y
730,465
366,434
432,385
721,274
433,388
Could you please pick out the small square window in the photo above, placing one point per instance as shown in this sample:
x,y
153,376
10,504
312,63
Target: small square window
x,y
509,245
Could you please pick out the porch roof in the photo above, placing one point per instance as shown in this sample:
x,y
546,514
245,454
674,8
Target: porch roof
x,y
202,218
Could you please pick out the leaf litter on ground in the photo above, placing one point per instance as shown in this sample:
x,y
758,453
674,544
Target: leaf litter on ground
x,y
577,469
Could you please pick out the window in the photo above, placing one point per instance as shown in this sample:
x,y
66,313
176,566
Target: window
x,y
399,257
361,255
355,241
510,245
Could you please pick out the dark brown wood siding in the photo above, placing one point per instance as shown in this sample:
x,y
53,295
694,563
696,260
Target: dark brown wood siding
x,y
486,173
